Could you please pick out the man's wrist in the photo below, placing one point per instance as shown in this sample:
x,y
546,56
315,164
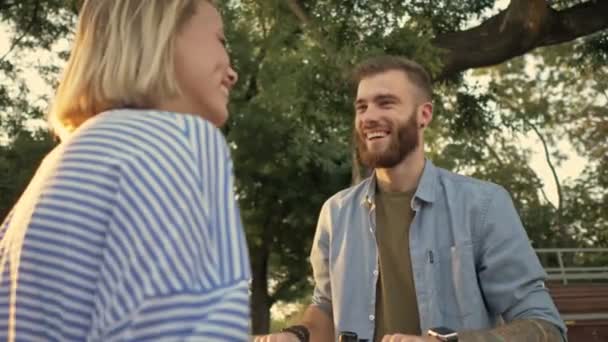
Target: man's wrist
x,y
300,331
443,334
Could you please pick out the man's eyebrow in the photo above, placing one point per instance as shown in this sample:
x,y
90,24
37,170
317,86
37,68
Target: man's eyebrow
x,y
359,101
379,98
386,97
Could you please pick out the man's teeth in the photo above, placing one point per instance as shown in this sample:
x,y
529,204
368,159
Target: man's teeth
x,y
375,135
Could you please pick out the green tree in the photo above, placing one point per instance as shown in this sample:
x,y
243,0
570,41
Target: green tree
x,y
32,26
554,95
18,161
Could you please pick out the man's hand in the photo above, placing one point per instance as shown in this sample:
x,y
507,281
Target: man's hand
x,y
277,337
408,338
529,330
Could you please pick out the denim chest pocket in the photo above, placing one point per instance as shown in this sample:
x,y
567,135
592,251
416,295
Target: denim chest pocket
x,y
459,294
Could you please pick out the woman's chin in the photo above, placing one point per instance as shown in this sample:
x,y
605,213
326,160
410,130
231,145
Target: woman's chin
x,y
217,116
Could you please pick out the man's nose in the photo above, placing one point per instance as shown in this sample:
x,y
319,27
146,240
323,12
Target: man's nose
x,y
370,115
368,121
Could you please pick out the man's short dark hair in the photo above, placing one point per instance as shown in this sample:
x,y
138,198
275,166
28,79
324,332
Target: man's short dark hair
x,y
379,64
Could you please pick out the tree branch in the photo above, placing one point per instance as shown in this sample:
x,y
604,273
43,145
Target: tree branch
x,y
540,136
25,32
315,31
296,8
522,27
13,46
542,191
6,5
550,164
493,153
558,211
577,21
604,74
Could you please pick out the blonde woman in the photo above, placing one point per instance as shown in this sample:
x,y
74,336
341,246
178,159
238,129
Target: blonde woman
x,y
129,229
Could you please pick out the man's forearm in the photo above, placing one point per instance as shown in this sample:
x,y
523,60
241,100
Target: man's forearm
x,y
319,323
525,330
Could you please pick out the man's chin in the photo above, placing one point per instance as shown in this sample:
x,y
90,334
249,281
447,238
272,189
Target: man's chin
x,y
374,160
376,149
378,145
384,160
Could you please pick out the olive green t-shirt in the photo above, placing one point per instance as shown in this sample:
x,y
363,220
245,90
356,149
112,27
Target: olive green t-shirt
x,y
396,306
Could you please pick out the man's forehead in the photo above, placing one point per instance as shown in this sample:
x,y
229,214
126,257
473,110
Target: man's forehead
x,y
371,92
376,94
390,83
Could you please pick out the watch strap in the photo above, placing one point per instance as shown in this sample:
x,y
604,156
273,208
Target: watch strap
x,y
300,331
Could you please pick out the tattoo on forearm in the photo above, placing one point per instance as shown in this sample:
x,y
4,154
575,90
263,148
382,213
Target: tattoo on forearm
x,y
525,330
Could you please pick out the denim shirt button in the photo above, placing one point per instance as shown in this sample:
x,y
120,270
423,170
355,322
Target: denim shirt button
x,y
375,273
371,317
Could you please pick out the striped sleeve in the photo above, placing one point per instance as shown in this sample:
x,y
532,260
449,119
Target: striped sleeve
x,y
218,315
176,266
216,164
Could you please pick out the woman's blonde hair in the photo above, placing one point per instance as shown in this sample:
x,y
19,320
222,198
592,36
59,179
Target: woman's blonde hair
x,y
122,57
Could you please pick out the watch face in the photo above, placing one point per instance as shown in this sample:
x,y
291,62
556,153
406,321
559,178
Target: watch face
x,y
444,334
443,331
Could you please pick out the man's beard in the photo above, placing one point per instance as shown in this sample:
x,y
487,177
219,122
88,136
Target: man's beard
x,y
403,141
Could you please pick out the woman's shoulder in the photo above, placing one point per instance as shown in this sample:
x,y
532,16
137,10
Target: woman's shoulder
x,y
152,122
174,137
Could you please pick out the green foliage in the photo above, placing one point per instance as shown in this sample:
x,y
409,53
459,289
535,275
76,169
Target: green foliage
x,y
34,26
18,162
287,163
554,94
39,24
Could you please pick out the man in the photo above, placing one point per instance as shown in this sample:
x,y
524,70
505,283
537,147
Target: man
x,y
415,248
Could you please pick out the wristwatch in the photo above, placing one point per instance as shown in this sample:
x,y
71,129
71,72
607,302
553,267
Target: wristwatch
x,y
444,334
300,331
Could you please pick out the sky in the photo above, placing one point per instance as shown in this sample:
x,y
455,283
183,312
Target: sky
x,y
569,169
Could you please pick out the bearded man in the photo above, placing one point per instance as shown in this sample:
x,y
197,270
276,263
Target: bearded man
x,y
415,252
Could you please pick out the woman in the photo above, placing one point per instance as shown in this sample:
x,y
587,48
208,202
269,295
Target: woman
x,y
129,230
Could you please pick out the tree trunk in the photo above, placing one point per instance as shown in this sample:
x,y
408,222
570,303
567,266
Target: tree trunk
x,y
260,299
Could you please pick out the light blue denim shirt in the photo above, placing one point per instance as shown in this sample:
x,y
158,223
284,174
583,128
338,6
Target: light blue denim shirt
x,y
472,262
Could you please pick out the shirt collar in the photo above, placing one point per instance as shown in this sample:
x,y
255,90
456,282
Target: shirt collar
x,y
424,192
426,185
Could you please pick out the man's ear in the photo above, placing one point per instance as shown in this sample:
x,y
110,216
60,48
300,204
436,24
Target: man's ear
x,y
425,114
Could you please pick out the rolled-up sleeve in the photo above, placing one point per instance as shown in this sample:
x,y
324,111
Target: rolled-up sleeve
x,y
510,274
319,259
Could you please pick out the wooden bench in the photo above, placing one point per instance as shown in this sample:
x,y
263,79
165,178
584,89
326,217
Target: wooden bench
x,y
580,298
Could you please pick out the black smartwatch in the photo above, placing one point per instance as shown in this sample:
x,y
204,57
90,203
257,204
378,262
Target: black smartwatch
x,y
300,331
444,334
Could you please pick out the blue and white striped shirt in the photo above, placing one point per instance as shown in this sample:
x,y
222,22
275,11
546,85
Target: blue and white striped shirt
x,y
135,235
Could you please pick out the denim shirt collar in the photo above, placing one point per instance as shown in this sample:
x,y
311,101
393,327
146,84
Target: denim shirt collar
x,y
425,191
